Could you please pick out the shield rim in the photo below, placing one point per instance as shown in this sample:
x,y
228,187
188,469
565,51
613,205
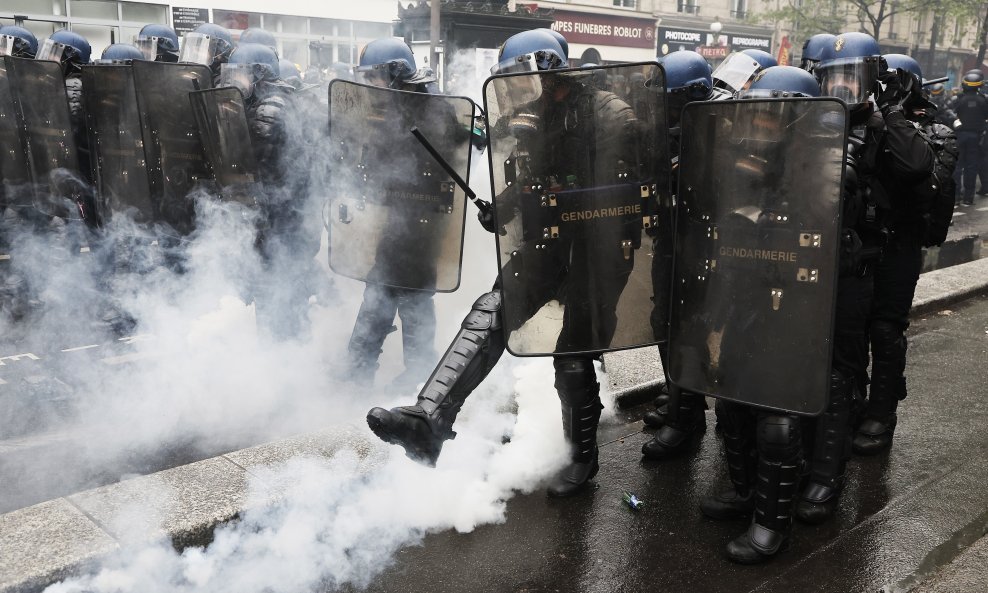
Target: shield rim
x,y
473,108
490,162
832,310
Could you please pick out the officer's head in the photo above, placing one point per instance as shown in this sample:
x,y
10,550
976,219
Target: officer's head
x,y
973,79
687,79
69,49
849,69
530,51
209,45
250,64
814,49
937,90
17,42
158,43
259,36
738,69
911,79
120,53
386,62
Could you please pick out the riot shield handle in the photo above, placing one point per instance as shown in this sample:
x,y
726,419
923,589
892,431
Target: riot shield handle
x,y
483,205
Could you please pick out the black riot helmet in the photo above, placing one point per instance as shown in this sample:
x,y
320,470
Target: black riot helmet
x,y
119,53
972,81
17,42
386,62
68,48
158,43
250,64
209,45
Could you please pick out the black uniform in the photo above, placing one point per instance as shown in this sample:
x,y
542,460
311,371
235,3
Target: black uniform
x,y
564,152
972,110
886,167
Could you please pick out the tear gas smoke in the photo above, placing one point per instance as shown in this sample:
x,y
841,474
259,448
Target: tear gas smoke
x,y
205,379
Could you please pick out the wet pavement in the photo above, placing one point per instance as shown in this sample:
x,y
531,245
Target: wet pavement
x,y
903,515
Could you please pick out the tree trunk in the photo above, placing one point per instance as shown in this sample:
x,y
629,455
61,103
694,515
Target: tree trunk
x,y
984,40
934,34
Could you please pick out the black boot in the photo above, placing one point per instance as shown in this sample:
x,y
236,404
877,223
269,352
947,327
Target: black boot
x,y
888,387
742,460
831,450
685,420
579,397
657,418
423,428
779,460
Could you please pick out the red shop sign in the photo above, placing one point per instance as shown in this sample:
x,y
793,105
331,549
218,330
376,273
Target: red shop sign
x,y
605,29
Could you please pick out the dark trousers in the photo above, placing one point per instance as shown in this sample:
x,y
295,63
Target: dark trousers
x,y
968,162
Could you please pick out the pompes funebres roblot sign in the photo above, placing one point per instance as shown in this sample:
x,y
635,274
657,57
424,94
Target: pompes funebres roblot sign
x,y
605,29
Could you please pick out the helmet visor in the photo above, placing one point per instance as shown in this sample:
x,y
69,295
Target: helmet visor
x,y
8,45
239,76
378,75
198,49
53,51
148,47
851,80
522,63
735,72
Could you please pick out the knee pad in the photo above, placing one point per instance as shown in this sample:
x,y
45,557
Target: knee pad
x,y
576,380
486,313
778,437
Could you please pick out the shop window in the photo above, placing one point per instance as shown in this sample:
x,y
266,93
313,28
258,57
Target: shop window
x,y
371,30
53,7
327,27
293,25
144,13
98,37
94,9
236,20
296,52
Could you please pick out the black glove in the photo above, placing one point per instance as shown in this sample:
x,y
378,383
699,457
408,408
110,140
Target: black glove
x,y
890,89
485,215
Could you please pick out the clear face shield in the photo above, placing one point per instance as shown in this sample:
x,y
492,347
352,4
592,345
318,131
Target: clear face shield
x,y
198,49
851,80
53,51
378,75
735,72
8,45
239,76
522,63
148,47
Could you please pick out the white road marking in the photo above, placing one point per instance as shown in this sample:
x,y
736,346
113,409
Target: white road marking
x,y
125,358
16,357
982,209
81,348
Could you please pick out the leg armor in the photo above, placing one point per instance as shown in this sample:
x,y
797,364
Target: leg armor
x,y
831,450
579,398
375,321
888,387
685,418
421,429
738,427
779,460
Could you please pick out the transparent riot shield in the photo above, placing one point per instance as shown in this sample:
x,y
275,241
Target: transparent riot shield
x,y
757,239
42,111
120,166
397,217
171,137
222,122
14,172
578,174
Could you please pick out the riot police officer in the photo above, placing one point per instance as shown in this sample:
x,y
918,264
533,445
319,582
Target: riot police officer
x,y
737,71
389,63
880,183
971,108
209,45
762,447
17,42
423,428
158,43
688,79
898,271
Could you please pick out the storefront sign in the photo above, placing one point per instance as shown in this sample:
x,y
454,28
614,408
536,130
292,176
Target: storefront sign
x,y
742,42
186,20
713,52
605,29
671,40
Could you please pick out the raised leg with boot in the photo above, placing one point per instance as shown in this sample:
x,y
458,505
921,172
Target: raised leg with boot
x,y
579,397
423,428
